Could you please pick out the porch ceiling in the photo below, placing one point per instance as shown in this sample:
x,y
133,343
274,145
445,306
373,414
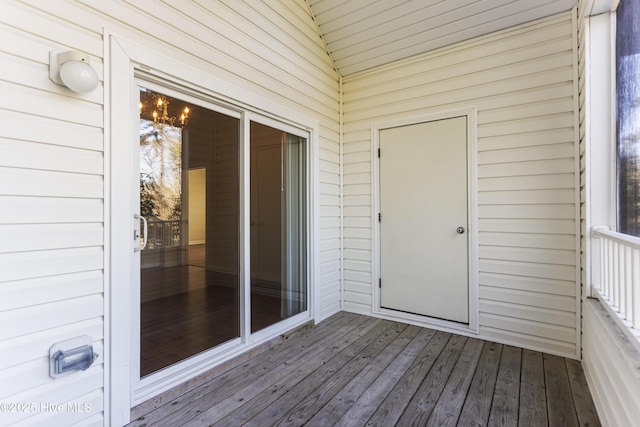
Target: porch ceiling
x,y
362,34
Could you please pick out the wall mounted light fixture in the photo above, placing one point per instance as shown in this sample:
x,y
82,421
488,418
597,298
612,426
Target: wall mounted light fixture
x,y
73,70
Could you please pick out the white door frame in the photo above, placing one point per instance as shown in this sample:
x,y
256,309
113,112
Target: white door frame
x,y
472,176
123,59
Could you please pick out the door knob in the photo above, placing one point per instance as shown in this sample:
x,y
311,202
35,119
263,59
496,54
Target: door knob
x,y
460,230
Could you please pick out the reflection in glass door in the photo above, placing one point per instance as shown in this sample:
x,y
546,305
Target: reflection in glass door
x,y
189,196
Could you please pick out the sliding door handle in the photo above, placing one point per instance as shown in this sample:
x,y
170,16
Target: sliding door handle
x,y
136,233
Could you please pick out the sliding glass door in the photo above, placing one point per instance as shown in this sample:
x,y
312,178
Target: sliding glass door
x,y
278,226
192,295
189,198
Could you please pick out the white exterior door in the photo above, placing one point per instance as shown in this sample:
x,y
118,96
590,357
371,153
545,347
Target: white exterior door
x,y
423,219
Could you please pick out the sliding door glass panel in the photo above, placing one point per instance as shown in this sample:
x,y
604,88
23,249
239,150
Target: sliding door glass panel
x,y
189,195
278,225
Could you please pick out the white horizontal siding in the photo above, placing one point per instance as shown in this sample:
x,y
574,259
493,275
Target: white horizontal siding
x,y
30,155
35,346
51,213
20,265
35,237
29,375
521,81
82,387
19,126
52,177
30,182
49,289
612,368
38,210
38,102
545,285
28,320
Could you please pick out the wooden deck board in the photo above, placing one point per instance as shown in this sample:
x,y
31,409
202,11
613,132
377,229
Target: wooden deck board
x,y
391,409
533,399
449,406
353,370
560,406
585,408
505,404
308,380
424,401
314,356
314,402
369,401
189,404
477,406
358,385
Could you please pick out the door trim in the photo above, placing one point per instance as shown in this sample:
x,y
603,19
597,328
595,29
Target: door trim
x,y
472,205
124,59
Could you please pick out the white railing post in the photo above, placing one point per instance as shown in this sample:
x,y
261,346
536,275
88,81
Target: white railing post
x,y
616,269
635,290
609,265
625,296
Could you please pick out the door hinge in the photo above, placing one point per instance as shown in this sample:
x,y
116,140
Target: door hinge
x,y
379,217
378,153
380,282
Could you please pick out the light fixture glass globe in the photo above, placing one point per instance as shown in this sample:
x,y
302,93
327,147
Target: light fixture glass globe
x,y
78,76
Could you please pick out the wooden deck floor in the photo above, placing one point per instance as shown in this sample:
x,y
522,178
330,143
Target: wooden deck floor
x,y
353,370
